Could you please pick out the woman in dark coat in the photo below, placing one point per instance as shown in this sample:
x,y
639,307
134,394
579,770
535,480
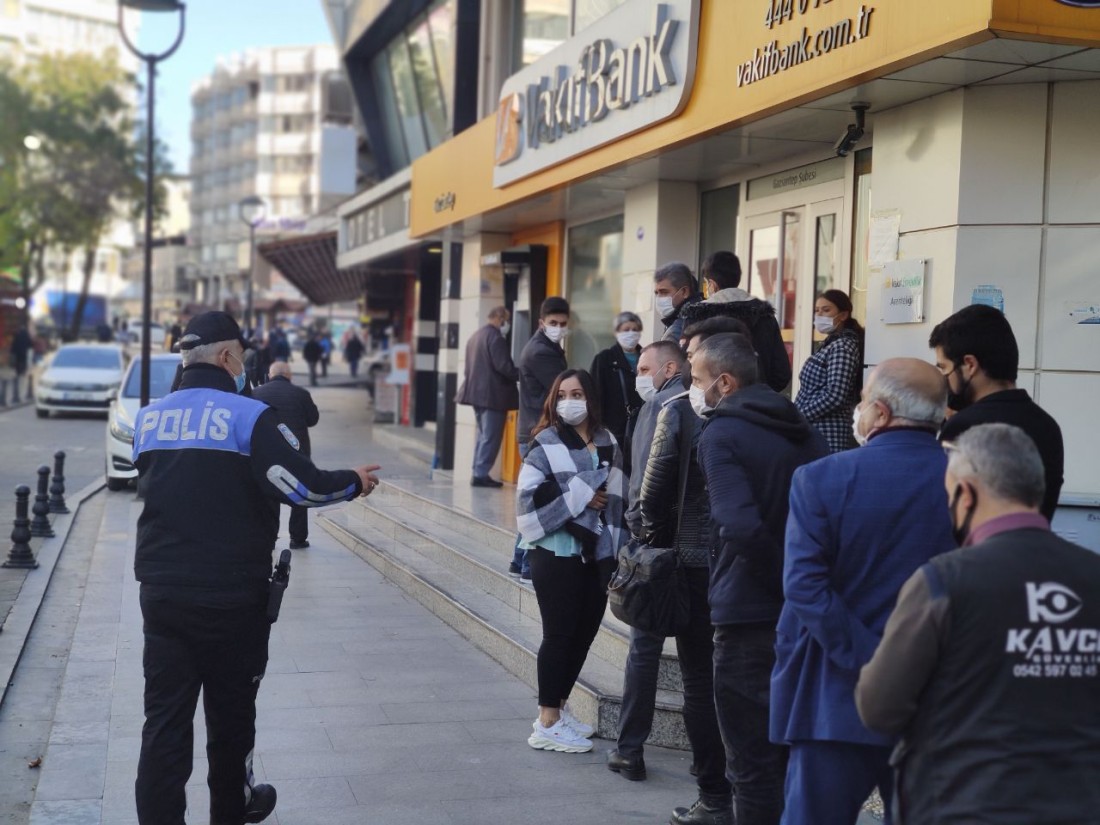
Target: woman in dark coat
x,y
614,370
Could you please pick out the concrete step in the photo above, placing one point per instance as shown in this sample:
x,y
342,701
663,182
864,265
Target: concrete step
x,y
489,608
479,553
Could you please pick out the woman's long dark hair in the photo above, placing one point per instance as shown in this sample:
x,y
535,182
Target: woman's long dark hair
x,y
550,405
842,302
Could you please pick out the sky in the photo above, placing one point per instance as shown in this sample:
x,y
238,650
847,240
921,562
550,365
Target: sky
x,y
216,28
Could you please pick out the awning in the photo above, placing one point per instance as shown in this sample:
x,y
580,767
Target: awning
x,y
309,262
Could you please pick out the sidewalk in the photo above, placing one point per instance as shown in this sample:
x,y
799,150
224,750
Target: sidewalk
x,y
372,709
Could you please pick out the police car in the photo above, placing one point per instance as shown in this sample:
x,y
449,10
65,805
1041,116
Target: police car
x,y
124,409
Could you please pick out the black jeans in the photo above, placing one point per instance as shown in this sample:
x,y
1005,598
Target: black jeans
x,y
695,650
299,523
744,655
572,597
223,651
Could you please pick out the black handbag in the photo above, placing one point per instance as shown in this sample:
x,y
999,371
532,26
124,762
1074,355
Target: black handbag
x,y
649,590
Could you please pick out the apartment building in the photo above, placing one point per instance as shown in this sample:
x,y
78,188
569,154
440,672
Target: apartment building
x,y
274,123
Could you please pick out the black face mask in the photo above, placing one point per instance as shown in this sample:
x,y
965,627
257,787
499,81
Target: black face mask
x,y
958,401
961,531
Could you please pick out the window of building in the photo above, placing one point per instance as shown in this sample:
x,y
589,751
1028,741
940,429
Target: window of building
x,y
295,82
408,103
269,84
718,222
540,26
595,261
442,21
587,12
430,95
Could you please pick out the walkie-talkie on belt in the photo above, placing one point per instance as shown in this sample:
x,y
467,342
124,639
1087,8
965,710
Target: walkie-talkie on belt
x,y
280,578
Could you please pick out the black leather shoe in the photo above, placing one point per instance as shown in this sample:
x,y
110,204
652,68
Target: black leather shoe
x,y
299,545
630,767
261,804
485,482
702,814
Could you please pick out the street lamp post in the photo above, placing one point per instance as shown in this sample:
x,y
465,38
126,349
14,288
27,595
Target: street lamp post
x,y
151,60
253,210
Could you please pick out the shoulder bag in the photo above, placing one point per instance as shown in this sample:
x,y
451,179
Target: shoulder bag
x,y
649,590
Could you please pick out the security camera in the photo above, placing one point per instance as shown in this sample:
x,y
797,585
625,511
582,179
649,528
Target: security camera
x,y
854,131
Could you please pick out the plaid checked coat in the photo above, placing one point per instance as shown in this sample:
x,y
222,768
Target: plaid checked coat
x,y
829,386
557,481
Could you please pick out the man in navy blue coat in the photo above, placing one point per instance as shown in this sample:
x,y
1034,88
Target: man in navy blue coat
x,y
861,522
751,444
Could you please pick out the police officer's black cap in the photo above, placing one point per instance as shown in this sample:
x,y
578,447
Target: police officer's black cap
x,y
211,328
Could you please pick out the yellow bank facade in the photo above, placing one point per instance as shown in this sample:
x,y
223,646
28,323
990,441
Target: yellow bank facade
x,y
667,131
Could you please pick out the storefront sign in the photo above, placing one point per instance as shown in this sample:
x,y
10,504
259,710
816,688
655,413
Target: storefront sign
x,y
800,178
444,202
777,56
379,220
631,69
401,364
903,292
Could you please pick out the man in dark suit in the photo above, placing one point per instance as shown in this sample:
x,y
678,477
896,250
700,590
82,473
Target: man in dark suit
x,y
489,386
861,522
297,413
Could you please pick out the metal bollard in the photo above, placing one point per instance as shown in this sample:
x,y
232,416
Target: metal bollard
x,y
57,486
40,525
20,555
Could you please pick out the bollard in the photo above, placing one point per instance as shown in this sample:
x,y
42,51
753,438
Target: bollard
x,y
57,486
40,525
20,555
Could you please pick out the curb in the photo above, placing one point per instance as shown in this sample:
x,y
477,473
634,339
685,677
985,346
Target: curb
x,y
21,618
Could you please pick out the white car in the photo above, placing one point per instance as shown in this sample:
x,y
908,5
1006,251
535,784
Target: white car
x,y
124,409
79,378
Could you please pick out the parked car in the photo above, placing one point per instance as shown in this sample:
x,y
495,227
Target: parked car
x,y
79,378
124,409
157,335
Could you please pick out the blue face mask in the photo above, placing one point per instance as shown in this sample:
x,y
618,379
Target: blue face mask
x,y
240,380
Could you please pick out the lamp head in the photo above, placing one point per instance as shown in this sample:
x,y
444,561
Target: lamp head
x,y
252,210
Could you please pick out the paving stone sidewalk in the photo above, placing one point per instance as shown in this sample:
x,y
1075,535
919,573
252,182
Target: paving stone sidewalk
x,y
372,710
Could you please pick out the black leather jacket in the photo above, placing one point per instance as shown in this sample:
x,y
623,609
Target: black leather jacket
x,y
661,488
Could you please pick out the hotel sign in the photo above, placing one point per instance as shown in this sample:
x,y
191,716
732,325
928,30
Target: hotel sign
x,y
631,69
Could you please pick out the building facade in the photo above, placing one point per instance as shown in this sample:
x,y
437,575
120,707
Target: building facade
x,y
650,132
274,123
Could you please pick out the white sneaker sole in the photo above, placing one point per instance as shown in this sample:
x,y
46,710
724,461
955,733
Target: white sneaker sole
x,y
542,743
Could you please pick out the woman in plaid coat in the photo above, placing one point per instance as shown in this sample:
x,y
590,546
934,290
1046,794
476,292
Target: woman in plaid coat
x,y
569,511
831,379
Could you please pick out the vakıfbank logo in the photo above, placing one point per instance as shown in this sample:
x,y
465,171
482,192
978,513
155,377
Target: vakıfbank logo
x,y
509,116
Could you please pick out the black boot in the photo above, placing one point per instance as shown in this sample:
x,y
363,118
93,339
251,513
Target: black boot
x,y
630,767
704,812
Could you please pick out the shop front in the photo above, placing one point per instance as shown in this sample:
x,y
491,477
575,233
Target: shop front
x,y
945,146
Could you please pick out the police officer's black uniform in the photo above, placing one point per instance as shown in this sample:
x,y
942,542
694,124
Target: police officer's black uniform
x,y
214,467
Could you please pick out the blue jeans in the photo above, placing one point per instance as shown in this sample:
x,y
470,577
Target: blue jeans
x,y
490,430
744,655
828,782
519,557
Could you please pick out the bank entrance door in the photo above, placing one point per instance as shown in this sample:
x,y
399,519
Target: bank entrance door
x,y
792,256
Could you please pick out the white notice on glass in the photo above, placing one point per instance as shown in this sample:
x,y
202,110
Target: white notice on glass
x,y
882,240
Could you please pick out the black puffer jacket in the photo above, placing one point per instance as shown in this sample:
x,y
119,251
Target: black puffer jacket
x,y
661,488
759,317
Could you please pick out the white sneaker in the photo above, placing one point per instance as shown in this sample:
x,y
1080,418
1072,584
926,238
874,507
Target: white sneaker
x,y
575,723
558,737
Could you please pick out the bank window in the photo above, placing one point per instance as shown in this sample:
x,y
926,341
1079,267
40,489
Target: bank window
x,y
595,260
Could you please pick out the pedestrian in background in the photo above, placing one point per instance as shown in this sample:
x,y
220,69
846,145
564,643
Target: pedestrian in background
x,y
22,345
722,274
988,667
353,352
312,352
489,386
297,412
976,349
569,510
7,369
326,353
674,288
540,363
861,523
204,543
753,440
614,370
280,346
831,379
658,381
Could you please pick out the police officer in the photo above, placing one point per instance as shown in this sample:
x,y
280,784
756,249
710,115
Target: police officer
x,y
213,468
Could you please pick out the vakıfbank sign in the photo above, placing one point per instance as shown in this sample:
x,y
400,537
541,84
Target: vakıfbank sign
x,y
631,69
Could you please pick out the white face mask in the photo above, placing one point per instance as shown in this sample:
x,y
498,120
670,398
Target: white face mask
x,y
861,439
628,340
572,411
664,305
504,328
643,385
698,398
824,324
555,334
